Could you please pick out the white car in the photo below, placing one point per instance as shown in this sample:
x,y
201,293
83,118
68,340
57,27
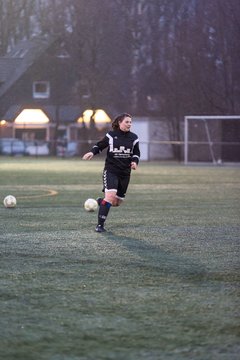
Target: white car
x,y
11,146
37,149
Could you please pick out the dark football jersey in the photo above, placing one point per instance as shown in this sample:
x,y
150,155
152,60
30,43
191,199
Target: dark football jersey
x,y
123,148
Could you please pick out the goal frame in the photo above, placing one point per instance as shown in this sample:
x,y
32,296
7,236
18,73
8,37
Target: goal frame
x,y
209,142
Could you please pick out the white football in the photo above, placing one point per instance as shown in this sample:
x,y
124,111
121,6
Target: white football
x,y
90,205
10,201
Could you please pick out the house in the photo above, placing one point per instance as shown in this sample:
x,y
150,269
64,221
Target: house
x,y
38,99
39,102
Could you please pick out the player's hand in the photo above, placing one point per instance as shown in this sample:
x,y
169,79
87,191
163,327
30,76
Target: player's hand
x,y
133,165
88,156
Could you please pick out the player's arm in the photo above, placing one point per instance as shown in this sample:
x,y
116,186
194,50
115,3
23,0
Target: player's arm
x,y
88,155
136,155
134,165
97,148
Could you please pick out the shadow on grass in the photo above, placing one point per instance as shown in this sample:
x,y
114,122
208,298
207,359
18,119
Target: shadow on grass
x,y
154,258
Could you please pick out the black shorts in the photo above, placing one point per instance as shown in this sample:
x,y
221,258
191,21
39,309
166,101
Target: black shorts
x,y
112,182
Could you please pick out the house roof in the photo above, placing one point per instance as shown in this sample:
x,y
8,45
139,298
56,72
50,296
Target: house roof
x,y
17,61
8,67
63,113
12,112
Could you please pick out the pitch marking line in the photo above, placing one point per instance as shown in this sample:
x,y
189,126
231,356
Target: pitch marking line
x,y
49,193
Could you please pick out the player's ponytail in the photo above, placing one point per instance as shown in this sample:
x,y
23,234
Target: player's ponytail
x,y
119,119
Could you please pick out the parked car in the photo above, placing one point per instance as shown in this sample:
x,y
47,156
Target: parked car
x,y
67,149
72,148
36,148
11,146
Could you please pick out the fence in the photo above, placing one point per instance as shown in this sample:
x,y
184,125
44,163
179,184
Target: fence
x,y
150,150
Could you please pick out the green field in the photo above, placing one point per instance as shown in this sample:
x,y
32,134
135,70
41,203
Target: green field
x,y
162,283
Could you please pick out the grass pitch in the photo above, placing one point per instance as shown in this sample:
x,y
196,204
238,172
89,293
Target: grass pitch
x,y
162,283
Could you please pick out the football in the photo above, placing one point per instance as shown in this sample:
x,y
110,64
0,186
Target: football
x,y
90,205
10,201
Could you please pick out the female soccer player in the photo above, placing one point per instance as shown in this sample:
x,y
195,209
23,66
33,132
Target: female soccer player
x,y
123,155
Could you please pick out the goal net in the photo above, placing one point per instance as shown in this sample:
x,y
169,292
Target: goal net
x,y
214,139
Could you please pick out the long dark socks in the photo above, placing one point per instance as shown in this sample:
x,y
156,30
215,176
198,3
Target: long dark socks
x,y
103,211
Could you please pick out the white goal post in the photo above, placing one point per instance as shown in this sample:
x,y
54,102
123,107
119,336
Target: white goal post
x,y
214,139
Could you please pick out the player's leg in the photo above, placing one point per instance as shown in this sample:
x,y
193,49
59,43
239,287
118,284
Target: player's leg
x,y
110,184
116,197
122,189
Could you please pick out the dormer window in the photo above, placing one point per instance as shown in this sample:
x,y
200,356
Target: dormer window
x,y
41,90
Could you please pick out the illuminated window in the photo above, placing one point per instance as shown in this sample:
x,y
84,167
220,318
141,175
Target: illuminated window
x,y
100,118
41,90
31,116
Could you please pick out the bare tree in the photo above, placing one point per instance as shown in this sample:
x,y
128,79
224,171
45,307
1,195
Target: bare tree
x,y
156,57
15,22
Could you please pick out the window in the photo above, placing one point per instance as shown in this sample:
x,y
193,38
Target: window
x,y
41,90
